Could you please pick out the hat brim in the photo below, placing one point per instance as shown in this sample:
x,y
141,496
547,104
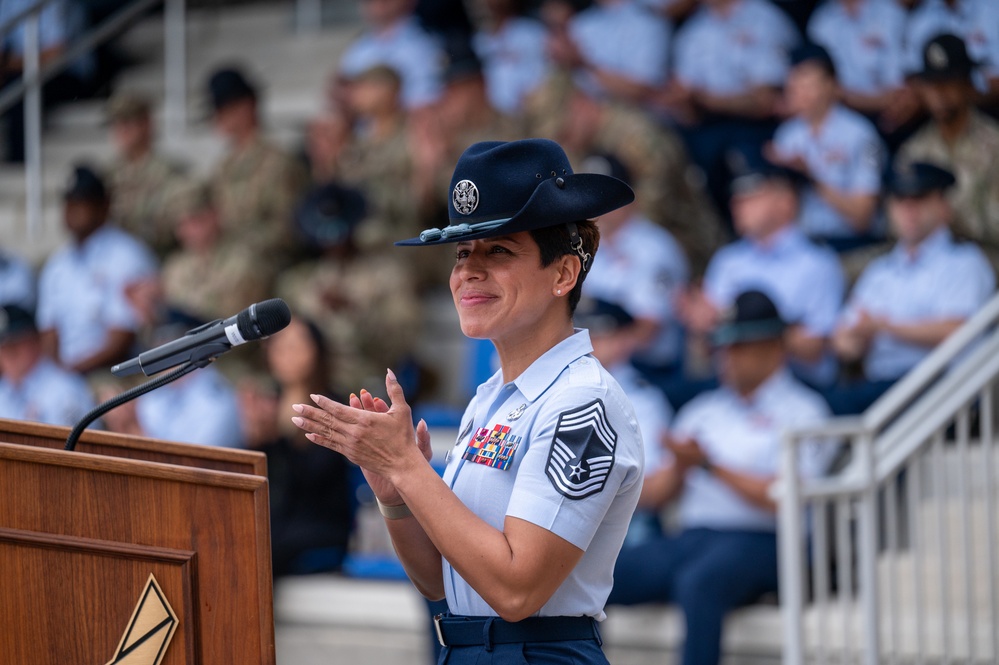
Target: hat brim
x,y
581,196
748,331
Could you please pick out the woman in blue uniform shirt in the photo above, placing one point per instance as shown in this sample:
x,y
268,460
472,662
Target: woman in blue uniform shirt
x,y
522,532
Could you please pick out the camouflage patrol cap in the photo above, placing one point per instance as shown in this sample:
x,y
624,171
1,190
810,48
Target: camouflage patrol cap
x,y
124,106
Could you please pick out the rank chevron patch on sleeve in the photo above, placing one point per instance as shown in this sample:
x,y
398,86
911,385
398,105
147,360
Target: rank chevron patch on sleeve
x,y
582,451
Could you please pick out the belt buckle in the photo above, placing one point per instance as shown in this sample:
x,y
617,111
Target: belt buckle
x,y
437,627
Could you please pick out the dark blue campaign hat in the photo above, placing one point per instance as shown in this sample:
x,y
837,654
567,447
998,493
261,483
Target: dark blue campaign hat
x,y
918,179
501,188
229,85
813,53
601,316
945,57
752,318
751,170
85,184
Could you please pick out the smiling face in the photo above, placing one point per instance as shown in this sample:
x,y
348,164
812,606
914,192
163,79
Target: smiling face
x,y
502,293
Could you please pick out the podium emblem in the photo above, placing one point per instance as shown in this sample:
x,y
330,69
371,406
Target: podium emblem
x,y
149,631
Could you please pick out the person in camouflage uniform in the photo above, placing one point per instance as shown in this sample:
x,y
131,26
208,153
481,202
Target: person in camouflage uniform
x,y
256,185
960,138
206,278
143,183
666,185
364,302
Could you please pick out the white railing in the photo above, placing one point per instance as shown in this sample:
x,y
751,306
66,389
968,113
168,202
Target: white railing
x,y
34,77
893,559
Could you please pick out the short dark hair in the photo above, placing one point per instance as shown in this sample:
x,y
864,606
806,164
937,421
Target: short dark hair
x,y
553,241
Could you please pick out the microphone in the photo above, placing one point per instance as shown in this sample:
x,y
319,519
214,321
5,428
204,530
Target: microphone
x,y
212,339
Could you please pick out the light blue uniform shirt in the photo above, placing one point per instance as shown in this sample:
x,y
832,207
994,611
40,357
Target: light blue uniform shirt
x,y
514,61
81,292
942,280
623,38
866,47
17,282
974,21
804,280
729,55
642,268
567,436
58,23
846,154
407,49
48,394
200,408
745,435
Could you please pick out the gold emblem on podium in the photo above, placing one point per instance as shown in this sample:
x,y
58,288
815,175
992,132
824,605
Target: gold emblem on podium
x,y
149,631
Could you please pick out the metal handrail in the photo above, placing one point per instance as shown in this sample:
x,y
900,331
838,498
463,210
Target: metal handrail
x,y
19,17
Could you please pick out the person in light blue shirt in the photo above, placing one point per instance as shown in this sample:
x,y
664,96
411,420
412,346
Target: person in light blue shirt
x,y
514,57
910,300
395,38
975,21
32,387
774,256
17,281
605,319
521,533
725,453
86,319
200,408
615,48
839,151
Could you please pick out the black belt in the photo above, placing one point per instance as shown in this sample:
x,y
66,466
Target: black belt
x,y
461,631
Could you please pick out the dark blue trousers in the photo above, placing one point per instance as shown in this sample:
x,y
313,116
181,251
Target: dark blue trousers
x,y
571,652
706,572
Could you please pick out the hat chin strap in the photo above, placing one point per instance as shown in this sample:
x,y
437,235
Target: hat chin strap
x,y
576,243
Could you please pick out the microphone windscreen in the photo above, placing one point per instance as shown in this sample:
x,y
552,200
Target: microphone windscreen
x,y
263,318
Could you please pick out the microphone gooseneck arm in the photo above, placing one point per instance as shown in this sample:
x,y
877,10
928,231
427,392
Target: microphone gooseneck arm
x,y
127,396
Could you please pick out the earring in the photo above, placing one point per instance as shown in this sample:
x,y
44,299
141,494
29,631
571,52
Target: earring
x,y
559,292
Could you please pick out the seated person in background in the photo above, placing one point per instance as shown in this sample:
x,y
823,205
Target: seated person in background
x,y
976,22
725,450
838,151
910,300
206,278
730,61
614,48
667,186
86,320
199,408
512,48
365,303
32,387
143,183
394,38
774,255
17,281
59,22
864,38
256,184
311,504
641,267
960,138
605,320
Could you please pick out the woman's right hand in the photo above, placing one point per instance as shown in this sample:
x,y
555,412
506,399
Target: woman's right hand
x,y
383,489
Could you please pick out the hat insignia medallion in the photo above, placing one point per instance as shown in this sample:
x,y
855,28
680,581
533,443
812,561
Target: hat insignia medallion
x,y
465,197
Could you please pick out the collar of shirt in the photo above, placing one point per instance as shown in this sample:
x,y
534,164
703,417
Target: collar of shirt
x,y
770,391
539,376
787,240
935,244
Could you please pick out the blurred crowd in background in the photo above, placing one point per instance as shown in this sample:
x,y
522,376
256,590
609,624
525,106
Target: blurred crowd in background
x,y
759,136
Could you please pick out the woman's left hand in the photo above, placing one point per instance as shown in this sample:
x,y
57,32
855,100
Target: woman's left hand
x,y
378,442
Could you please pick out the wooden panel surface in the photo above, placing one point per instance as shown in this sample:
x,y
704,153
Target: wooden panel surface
x,y
133,447
93,510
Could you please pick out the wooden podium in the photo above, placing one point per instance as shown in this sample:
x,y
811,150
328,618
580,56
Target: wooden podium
x,y
132,551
